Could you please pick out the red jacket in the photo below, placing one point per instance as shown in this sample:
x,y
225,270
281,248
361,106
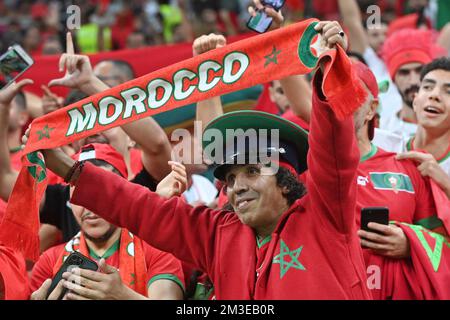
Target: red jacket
x,y
314,253
13,275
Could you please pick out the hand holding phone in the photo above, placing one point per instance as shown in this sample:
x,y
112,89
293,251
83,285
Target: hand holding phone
x,y
266,13
74,260
13,63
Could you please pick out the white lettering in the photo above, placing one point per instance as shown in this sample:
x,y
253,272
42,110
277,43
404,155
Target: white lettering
x,y
104,105
78,122
152,88
203,69
228,64
134,99
178,78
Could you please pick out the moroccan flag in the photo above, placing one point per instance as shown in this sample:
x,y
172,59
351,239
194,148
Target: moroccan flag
x,y
296,49
425,275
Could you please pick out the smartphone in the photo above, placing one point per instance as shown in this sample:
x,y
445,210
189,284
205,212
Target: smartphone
x,y
262,22
374,214
13,63
74,260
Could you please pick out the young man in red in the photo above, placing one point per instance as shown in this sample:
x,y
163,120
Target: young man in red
x,y
279,243
145,272
432,106
384,181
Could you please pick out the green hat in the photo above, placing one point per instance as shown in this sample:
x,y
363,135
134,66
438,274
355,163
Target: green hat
x,y
292,146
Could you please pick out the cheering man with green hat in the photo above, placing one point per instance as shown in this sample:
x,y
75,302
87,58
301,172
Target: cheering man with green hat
x,y
285,239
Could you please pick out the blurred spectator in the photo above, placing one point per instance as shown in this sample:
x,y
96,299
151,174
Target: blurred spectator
x,y
51,46
135,40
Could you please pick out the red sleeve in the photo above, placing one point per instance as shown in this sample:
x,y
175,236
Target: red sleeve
x,y
13,275
168,225
43,269
333,159
162,265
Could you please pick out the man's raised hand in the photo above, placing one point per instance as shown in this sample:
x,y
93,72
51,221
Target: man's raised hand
x,y
175,183
50,101
207,43
7,94
332,34
78,68
277,16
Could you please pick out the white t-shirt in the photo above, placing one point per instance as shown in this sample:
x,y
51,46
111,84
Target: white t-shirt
x,y
201,190
397,126
391,101
388,141
395,143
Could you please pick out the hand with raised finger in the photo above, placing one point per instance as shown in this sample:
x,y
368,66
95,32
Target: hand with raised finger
x,y
50,101
207,43
332,34
7,94
175,183
277,16
78,68
42,292
389,241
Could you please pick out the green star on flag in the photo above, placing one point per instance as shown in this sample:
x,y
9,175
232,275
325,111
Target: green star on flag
x,y
291,261
45,132
273,57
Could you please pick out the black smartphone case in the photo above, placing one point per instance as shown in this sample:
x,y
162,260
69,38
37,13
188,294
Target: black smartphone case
x,y
374,214
74,259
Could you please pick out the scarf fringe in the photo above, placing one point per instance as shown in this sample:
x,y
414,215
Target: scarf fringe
x,y
346,102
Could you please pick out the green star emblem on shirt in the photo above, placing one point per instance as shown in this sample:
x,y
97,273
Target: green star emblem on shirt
x,y
291,261
45,132
273,57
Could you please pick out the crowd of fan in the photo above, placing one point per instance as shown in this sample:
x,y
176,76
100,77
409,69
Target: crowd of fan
x,y
402,62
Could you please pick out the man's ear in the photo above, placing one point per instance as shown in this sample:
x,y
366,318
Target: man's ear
x,y
372,109
271,94
285,190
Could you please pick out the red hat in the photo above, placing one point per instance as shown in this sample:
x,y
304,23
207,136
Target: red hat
x,y
105,152
408,46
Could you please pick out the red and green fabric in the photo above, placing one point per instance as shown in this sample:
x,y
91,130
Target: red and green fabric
x,y
426,275
274,55
132,266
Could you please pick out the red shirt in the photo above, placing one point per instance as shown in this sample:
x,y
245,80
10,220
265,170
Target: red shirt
x,y
314,252
160,265
384,181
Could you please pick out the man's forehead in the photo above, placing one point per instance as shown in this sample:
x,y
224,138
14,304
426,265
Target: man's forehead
x,y
411,66
438,76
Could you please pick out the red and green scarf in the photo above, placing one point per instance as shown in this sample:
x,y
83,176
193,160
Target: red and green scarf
x,y
425,275
260,59
132,266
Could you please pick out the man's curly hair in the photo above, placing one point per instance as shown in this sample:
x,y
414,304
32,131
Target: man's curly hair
x,y
285,179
